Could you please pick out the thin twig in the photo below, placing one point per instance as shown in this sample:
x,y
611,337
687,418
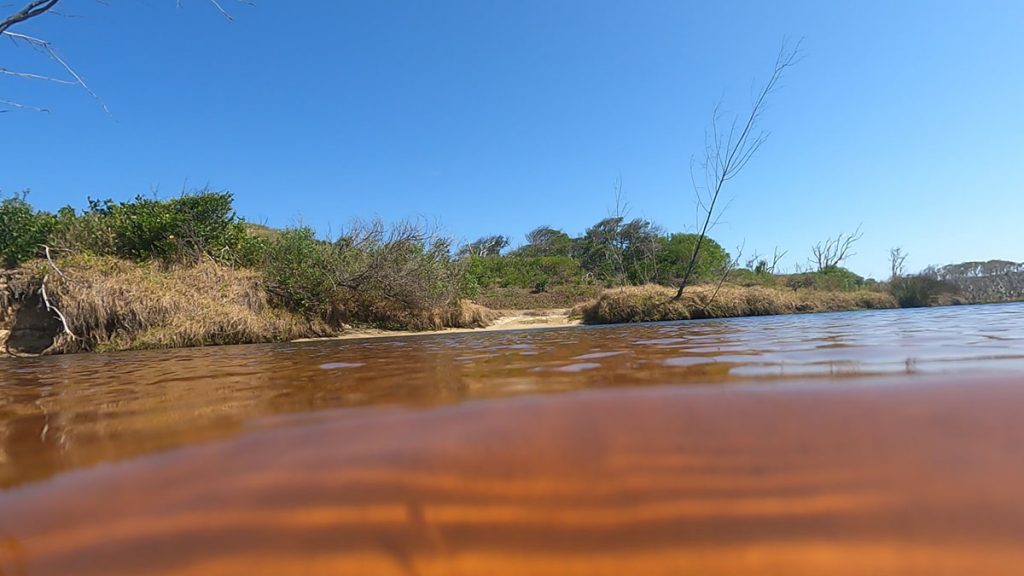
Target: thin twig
x,y
31,76
14,104
48,48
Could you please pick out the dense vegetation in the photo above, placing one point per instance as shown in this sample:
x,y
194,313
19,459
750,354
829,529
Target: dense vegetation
x,y
370,273
612,252
134,261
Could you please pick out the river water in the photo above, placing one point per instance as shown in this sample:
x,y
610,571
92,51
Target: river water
x,y
881,442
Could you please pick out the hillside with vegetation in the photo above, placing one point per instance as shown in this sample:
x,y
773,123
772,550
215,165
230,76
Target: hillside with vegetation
x,y
187,271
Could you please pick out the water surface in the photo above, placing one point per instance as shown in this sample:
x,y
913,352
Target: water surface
x,y
885,442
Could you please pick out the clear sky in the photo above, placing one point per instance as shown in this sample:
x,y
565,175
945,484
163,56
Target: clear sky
x,y
497,116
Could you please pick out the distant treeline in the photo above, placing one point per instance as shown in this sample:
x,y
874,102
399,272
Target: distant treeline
x,y
612,252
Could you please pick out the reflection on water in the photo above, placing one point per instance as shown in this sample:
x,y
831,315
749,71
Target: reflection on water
x,y
70,411
905,456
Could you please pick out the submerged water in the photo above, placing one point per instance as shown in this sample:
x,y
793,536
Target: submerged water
x,y
860,443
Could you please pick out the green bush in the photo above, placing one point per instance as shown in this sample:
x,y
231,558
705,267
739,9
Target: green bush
x,y
676,251
22,230
833,278
397,278
298,270
745,277
183,229
919,291
533,272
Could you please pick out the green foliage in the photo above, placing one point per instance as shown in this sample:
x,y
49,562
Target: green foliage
x,y
393,278
486,246
617,252
22,230
830,278
533,272
546,241
297,268
676,250
183,229
919,291
745,277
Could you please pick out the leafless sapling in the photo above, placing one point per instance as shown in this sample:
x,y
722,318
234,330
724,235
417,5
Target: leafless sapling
x,y
727,150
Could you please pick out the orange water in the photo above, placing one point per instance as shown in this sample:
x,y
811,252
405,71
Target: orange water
x,y
863,443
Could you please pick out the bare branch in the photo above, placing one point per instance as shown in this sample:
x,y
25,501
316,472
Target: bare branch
x,y
48,48
33,9
37,8
741,143
52,308
897,260
834,251
31,76
19,105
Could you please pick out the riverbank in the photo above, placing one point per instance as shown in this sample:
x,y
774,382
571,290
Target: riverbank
x,y
658,303
112,305
119,305
109,304
502,320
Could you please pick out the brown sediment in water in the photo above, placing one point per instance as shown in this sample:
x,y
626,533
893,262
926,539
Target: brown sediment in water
x,y
880,443
882,478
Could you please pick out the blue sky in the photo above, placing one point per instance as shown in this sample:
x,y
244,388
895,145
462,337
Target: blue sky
x,y
497,116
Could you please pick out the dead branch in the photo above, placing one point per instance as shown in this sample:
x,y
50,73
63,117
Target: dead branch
x,y
834,251
33,9
897,260
52,308
46,47
726,153
37,8
729,267
46,249
776,258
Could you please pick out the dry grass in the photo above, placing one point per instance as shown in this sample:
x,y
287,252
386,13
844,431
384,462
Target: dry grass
x,y
113,304
396,315
655,303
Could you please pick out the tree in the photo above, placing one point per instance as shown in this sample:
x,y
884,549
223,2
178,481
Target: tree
x,y
674,251
897,258
546,241
760,264
727,152
35,9
616,251
486,246
834,251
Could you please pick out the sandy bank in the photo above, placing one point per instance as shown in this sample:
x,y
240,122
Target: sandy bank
x,y
507,320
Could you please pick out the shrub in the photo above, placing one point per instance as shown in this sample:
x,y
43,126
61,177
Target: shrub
x,y
22,230
184,229
831,278
297,269
399,278
676,250
531,272
920,291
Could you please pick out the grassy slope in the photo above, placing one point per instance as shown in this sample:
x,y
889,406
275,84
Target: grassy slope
x,y
113,304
